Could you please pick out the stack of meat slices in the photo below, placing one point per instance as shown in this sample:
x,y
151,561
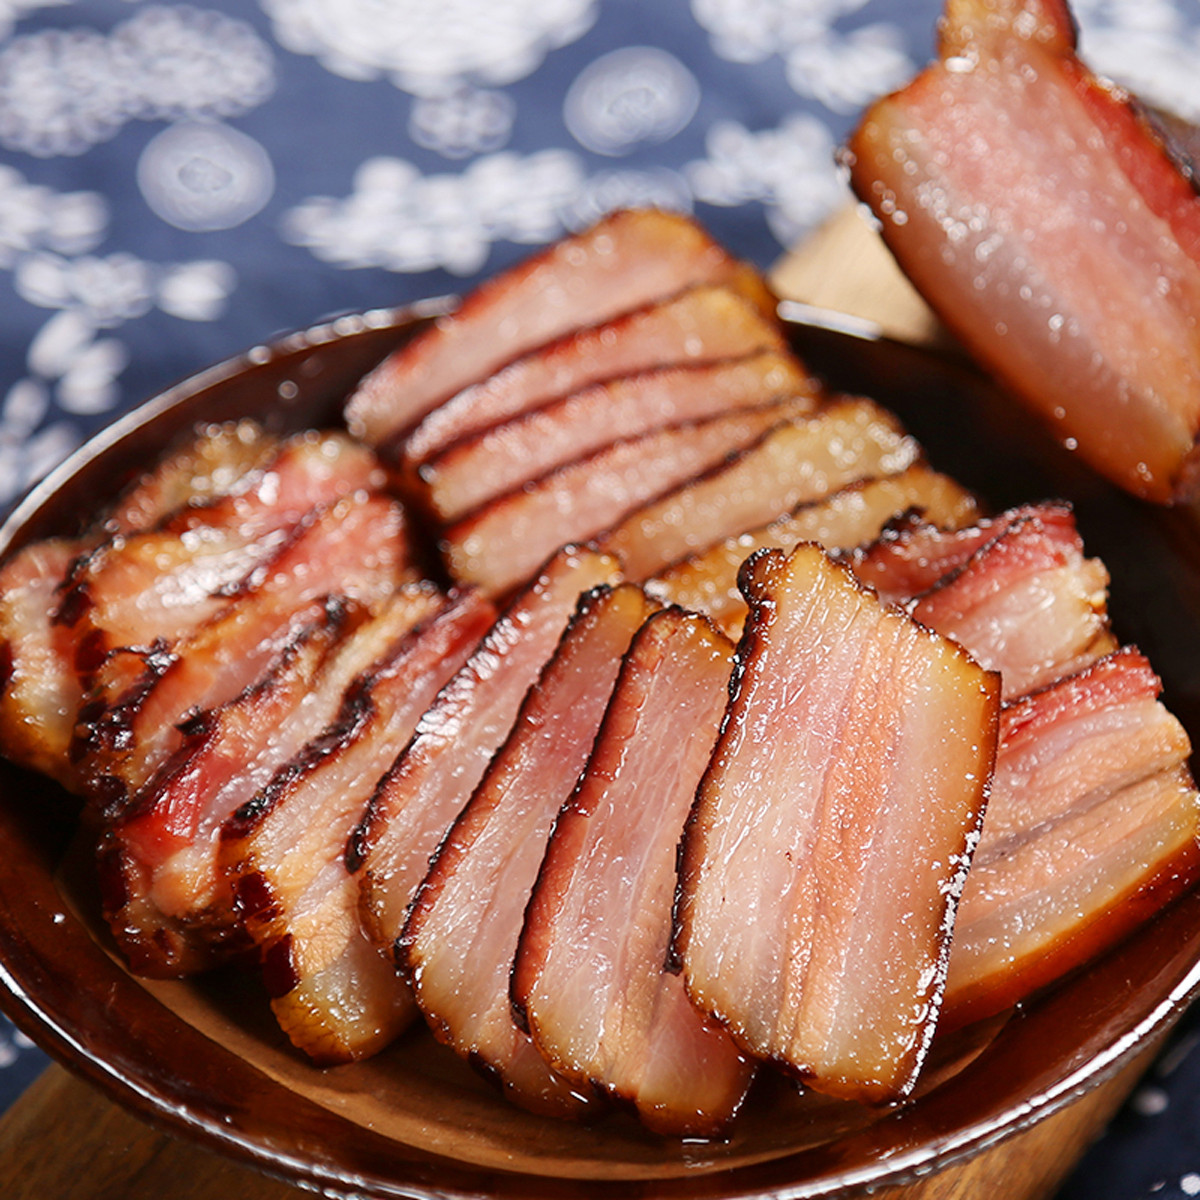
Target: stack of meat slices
x,y
463,796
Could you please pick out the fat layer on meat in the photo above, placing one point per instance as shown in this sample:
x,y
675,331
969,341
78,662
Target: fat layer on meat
x,y
831,834
435,775
589,975
623,262
169,903
853,515
129,723
483,465
703,324
286,847
1045,221
498,546
1092,823
799,461
1028,603
461,935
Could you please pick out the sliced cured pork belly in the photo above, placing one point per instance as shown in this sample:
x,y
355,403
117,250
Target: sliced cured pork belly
x,y
334,994
162,582
625,261
169,904
856,514
704,324
461,936
1027,604
39,689
484,465
589,974
1092,824
129,724
499,545
799,461
436,773
212,463
831,835
1050,227
913,555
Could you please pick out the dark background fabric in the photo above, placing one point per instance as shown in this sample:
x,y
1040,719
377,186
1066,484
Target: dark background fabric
x,y
179,182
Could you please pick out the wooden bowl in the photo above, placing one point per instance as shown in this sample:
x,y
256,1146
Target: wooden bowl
x,y
204,1059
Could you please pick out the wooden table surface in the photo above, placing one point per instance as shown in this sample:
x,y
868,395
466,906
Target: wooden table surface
x,y
63,1140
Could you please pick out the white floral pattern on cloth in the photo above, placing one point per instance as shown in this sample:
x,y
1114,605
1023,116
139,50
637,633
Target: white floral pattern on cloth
x,y
179,181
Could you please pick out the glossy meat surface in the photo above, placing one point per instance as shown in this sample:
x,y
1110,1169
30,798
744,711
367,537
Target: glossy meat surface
x,y
799,461
286,847
1092,823
831,835
129,722
461,935
435,775
1034,208
164,581
854,515
497,546
589,974
624,262
704,324
496,460
1028,603
173,907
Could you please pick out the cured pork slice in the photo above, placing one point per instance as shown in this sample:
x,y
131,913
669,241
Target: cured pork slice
x,y
589,974
912,556
625,261
335,996
1027,604
437,772
162,582
703,324
209,464
831,835
168,903
499,545
128,726
1051,228
799,461
484,465
1092,825
40,690
856,514
461,936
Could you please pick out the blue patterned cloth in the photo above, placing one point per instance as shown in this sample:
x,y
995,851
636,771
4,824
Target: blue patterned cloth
x,y
181,181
